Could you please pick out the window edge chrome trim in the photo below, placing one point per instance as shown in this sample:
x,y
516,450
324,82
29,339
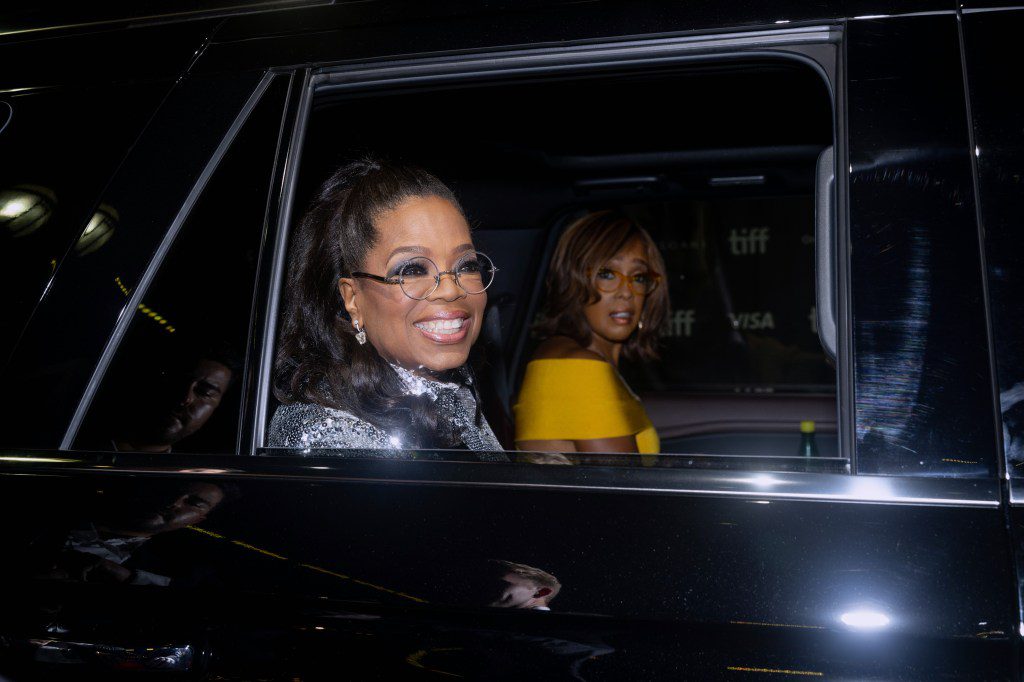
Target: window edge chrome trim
x,y
125,317
290,175
429,69
987,10
758,486
753,485
1016,486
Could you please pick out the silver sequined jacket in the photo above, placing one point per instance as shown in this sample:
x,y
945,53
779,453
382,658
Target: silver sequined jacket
x,y
308,426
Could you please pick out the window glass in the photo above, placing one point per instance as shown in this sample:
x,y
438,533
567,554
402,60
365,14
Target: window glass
x,y
739,345
59,148
174,383
999,141
924,400
741,276
725,197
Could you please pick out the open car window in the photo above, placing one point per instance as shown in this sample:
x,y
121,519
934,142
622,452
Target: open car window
x,y
726,190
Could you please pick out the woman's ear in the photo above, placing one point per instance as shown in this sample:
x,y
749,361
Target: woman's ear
x,y
347,289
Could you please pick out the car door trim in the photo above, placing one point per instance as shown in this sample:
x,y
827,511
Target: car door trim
x,y
449,68
1016,491
290,176
755,485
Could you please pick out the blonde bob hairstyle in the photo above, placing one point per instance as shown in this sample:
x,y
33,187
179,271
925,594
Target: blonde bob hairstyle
x,y
585,246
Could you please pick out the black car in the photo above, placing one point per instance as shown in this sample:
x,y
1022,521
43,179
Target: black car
x,y
836,191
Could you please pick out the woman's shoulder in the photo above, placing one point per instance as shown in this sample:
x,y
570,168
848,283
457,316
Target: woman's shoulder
x,y
564,348
563,369
309,425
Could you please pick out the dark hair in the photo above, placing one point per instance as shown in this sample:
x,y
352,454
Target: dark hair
x,y
318,360
191,351
585,246
224,353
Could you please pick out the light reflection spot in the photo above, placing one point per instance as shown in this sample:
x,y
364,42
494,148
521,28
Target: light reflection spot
x,y
14,208
763,480
865,619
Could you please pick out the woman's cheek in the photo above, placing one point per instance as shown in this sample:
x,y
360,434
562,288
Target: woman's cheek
x,y
596,313
479,311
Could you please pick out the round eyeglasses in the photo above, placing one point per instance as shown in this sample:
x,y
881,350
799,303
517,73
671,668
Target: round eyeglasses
x,y
419,277
641,284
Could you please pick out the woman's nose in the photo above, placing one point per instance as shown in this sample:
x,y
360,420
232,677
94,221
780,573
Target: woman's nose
x,y
447,288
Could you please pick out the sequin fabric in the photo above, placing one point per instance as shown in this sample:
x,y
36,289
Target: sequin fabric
x,y
307,426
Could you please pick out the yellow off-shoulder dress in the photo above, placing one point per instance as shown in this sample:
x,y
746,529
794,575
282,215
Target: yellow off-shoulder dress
x,y
580,399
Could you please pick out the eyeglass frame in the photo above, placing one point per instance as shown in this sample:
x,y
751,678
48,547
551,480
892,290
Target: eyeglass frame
x,y
623,277
437,278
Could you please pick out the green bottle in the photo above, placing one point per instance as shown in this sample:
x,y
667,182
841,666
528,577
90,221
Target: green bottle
x,y
808,447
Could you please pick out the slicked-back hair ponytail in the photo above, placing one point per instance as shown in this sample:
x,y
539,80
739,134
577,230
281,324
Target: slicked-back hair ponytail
x,y
318,360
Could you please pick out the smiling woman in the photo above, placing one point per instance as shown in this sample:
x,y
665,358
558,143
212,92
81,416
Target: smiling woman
x,y
442,314
386,298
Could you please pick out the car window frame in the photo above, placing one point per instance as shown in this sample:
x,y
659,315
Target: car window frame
x,y
818,47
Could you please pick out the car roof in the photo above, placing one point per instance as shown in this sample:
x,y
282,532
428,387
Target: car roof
x,y
126,40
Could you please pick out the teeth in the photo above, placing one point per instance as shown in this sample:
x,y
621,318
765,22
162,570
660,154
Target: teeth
x,y
441,326
622,315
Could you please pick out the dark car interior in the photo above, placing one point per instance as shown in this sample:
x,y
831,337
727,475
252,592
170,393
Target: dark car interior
x,y
716,160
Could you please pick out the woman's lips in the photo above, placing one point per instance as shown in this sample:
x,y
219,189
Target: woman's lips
x,y
622,317
444,330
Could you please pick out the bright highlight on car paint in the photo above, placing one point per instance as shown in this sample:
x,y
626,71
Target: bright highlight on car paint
x,y
14,208
865,619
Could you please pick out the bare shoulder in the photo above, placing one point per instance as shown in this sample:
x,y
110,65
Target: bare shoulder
x,y
562,348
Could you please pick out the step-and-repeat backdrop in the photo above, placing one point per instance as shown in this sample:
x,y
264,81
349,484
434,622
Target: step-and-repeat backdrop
x,y
741,280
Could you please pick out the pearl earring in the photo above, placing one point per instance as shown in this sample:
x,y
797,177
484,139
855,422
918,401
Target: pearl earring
x,y
641,325
360,333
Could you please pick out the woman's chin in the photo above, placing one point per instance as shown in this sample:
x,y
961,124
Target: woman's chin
x,y
617,335
441,360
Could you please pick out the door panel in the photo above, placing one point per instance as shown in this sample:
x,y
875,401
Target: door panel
x,y
295,533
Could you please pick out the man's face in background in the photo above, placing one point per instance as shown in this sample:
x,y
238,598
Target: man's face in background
x,y
192,398
164,510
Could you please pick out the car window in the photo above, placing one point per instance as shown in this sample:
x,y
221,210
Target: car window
x,y
59,148
922,372
727,201
174,382
999,150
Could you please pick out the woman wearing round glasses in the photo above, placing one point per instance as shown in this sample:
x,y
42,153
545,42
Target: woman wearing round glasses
x,y
604,301
385,297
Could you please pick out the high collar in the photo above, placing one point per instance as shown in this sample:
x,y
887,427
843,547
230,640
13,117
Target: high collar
x,y
417,384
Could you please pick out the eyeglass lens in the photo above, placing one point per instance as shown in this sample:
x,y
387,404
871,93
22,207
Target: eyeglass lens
x,y
641,283
474,272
